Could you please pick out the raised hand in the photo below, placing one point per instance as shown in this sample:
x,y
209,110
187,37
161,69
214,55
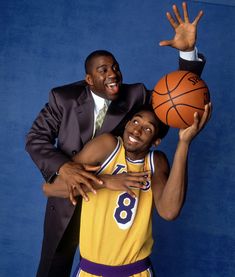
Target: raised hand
x,y
187,135
185,32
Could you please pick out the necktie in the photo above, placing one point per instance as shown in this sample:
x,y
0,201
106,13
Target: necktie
x,y
100,117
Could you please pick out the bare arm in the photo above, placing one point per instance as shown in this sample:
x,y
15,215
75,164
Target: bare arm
x,y
119,182
169,186
94,153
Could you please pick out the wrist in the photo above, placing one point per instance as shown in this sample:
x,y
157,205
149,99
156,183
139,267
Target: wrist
x,y
53,177
183,144
104,179
189,54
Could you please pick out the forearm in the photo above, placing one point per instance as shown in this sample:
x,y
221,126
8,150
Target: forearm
x,y
118,182
173,194
60,189
46,157
195,66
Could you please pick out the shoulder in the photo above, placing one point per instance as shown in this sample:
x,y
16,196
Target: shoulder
x,y
99,149
76,85
72,90
130,95
160,161
139,87
106,141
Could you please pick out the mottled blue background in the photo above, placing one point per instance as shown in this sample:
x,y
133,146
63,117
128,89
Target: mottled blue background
x,y
43,44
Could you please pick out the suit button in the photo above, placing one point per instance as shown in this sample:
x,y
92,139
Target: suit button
x,y
74,152
52,208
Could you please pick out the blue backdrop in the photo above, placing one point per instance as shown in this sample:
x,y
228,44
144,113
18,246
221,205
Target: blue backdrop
x,y
43,44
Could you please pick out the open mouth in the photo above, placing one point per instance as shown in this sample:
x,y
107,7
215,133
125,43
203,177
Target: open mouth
x,y
132,139
113,87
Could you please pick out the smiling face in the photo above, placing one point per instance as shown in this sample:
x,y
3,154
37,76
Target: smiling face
x,y
140,133
104,76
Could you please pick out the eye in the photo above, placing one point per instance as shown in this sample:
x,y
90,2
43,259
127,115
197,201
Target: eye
x,y
147,129
116,67
102,70
135,122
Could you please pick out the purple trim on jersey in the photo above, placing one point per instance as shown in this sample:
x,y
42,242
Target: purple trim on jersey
x,y
113,271
140,161
151,153
107,161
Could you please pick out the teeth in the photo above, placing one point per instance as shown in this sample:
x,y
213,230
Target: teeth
x,y
112,85
132,139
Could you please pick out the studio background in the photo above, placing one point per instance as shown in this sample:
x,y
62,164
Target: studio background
x,y
43,44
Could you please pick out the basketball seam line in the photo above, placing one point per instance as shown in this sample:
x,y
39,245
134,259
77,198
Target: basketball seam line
x,y
176,85
173,98
173,105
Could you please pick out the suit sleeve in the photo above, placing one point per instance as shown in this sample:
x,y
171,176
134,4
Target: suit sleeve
x,y
193,66
41,139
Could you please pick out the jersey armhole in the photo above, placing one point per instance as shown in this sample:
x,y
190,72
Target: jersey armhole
x,y
111,156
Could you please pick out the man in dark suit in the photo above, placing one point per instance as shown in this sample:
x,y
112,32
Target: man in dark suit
x,y
67,122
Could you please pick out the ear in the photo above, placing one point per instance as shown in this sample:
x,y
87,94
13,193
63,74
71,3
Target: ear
x,y
89,80
157,142
127,124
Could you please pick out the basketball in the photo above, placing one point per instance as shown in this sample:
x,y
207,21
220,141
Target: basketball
x,y
177,96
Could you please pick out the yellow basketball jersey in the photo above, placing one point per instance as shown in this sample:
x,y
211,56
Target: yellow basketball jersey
x,y
116,228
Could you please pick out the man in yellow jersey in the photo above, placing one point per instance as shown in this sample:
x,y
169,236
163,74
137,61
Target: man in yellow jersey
x,y
116,227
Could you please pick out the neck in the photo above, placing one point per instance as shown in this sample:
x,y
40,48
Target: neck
x,y
136,156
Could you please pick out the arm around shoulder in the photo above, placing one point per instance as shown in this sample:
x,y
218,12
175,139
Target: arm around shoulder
x,y
96,151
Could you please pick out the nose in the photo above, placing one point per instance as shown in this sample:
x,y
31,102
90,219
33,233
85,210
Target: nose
x,y
137,130
111,73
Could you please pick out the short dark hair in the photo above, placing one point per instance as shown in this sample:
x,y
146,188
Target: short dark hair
x,y
162,127
95,54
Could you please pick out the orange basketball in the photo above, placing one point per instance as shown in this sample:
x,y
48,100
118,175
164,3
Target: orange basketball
x,y
177,96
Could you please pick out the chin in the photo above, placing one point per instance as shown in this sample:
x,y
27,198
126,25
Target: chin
x,y
113,97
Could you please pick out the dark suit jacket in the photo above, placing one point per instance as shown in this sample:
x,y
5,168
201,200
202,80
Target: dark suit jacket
x,y
67,122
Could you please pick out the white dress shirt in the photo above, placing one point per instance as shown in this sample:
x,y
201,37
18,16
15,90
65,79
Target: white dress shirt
x,y
99,104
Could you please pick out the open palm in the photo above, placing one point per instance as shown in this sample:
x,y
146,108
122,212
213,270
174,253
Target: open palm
x,y
185,32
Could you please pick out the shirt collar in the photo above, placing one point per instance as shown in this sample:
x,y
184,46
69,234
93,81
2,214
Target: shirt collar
x,y
99,101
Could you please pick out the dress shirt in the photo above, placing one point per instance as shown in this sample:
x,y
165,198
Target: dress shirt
x,y
99,104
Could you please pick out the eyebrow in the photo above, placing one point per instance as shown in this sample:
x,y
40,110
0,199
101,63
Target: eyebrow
x,y
103,65
150,122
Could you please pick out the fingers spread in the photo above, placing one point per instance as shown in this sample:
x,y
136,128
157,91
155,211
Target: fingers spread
x,y
206,115
82,193
129,191
197,18
72,199
91,167
171,20
166,43
185,11
177,14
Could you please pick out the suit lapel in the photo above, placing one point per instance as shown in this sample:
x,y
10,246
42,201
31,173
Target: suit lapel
x,y
85,111
116,112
